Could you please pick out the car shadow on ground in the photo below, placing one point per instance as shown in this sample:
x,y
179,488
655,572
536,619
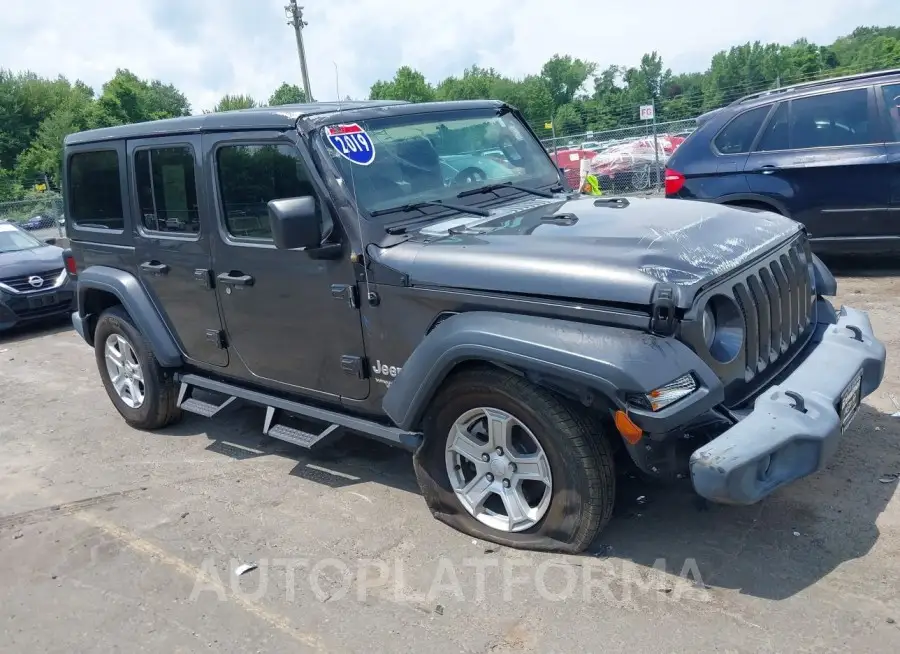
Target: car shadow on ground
x,y
778,547
774,549
37,329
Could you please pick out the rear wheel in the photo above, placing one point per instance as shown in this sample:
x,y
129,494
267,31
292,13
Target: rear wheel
x,y
143,392
512,463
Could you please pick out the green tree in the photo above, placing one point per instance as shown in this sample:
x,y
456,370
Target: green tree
x,y
235,102
408,84
287,94
565,76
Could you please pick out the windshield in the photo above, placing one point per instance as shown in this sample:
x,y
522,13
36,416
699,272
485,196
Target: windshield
x,y
13,239
402,160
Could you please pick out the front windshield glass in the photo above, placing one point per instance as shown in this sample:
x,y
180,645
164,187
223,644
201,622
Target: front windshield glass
x,y
13,239
433,156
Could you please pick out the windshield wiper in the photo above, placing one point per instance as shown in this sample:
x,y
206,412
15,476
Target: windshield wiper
x,y
400,228
494,187
430,203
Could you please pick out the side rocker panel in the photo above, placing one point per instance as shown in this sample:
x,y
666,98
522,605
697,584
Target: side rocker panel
x,y
131,294
608,360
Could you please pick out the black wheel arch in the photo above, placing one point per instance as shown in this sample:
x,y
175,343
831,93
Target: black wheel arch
x,y
100,287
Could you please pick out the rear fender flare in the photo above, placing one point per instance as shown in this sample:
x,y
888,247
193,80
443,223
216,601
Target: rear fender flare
x,y
609,360
131,294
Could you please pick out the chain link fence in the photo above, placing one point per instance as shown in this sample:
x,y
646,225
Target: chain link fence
x,y
626,160
41,214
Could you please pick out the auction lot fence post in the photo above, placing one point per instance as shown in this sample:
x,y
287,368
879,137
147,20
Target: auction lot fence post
x,y
41,212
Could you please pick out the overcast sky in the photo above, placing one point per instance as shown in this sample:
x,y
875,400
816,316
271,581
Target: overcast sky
x,y
208,48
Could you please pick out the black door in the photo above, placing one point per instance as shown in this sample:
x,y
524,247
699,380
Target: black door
x,y
286,323
171,241
823,158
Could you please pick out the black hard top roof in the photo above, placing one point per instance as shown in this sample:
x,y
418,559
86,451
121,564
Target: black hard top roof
x,y
281,117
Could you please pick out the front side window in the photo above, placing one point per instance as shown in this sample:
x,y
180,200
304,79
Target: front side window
x,y
252,175
13,239
435,155
95,193
891,93
832,120
167,190
738,135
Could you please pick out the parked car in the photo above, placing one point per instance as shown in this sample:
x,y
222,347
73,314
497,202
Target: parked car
x,y
36,222
520,339
33,279
825,153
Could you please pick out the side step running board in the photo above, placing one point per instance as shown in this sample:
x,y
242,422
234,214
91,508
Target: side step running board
x,y
298,436
336,422
191,404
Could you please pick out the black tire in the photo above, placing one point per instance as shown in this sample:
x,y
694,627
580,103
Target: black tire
x,y
159,407
580,458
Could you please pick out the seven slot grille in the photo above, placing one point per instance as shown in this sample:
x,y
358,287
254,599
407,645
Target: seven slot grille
x,y
777,299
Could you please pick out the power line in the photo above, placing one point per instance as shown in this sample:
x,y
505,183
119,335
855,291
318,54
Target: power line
x,y
295,20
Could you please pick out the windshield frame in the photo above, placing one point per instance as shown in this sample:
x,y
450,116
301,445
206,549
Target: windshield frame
x,y
15,228
322,151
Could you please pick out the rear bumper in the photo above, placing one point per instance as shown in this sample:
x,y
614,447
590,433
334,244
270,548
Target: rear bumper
x,y
776,443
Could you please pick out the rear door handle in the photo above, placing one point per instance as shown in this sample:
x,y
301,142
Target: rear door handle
x,y
155,268
235,279
767,170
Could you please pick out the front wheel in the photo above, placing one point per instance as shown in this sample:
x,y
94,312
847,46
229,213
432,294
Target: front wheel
x,y
512,463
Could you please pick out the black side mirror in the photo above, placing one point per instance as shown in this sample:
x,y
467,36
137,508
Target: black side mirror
x,y
50,241
295,223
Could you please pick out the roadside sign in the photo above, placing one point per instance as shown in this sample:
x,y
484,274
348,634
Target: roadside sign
x,y
647,112
548,125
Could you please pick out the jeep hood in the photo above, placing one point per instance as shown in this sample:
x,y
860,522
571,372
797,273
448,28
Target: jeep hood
x,y
589,249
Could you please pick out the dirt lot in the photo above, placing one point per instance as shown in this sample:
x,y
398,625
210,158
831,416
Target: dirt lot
x,y
118,540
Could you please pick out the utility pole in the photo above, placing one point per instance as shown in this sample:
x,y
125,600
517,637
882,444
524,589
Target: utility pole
x,y
295,20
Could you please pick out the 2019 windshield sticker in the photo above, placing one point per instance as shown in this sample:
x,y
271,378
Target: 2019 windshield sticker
x,y
352,143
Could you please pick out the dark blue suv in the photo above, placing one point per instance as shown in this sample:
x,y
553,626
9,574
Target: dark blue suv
x,y
824,153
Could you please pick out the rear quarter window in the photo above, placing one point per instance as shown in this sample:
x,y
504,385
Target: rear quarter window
x,y
95,192
738,135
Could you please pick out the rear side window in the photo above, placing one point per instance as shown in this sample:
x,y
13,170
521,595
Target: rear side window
x,y
252,175
738,135
891,94
832,120
95,193
167,190
776,137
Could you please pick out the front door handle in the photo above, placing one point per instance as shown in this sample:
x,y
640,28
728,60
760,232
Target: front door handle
x,y
768,170
235,278
155,267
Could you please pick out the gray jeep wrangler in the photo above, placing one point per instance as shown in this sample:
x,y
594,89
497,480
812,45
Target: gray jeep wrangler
x,y
420,274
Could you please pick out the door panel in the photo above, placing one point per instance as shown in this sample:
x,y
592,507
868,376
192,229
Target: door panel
x,y
283,320
823,158
172,247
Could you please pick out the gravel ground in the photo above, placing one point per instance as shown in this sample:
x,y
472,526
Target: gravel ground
x,y
119,540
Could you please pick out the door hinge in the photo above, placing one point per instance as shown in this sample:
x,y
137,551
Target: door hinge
x,y
355,366
204,276
346,292
216,336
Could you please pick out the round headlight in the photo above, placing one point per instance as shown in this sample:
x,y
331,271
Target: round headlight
x,y
723,328
709,326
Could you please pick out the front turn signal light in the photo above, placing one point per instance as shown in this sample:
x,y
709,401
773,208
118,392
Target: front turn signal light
x,y
671,392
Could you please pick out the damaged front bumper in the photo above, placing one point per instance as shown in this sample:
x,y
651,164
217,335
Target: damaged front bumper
x,y
794,426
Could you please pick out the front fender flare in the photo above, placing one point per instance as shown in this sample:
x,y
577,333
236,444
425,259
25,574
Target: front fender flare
x,y
129,291
609,360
